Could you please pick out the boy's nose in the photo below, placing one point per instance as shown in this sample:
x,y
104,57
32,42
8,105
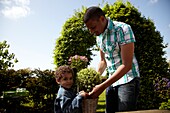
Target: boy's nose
x,y
70,81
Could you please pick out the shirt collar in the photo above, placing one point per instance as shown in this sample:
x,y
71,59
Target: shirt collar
x,y
110,27
110,24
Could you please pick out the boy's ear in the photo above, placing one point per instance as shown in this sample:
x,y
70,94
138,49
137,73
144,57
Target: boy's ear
x,y
58,81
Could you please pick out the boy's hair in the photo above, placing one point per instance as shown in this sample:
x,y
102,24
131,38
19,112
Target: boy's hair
x,y
63,70
93,12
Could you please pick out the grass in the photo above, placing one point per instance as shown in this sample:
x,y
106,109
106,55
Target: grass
x,y
101,103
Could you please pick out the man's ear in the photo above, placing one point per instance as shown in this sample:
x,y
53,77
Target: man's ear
x,y
102,18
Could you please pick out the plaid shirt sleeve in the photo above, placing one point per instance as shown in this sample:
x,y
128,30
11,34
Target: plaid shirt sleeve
x,y
125,34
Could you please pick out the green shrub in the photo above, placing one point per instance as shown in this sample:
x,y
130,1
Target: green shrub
x,y
162,89
165,105
87,79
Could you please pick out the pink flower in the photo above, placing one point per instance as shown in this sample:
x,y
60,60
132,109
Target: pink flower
x,y
83,58
70,59
76,56
78,62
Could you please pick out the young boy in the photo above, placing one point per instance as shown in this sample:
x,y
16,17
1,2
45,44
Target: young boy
x,y
67,101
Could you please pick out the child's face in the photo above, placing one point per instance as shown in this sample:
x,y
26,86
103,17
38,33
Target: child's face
x,y
67,80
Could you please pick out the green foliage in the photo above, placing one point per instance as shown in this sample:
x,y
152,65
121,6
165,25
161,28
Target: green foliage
x,y
41,85
162,89
148,49
87,79
9,80
74,39
165,105
6,59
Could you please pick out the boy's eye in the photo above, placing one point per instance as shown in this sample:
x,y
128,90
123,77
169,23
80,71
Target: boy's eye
x,y
64,78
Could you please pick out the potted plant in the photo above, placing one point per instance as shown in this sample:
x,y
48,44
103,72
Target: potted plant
x,y
78,62
87,79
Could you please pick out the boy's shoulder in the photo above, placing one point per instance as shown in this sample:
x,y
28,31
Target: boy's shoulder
x,y
65,92
61,91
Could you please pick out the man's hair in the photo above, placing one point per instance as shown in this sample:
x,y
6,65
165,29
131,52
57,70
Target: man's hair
x,y
93,12
62,70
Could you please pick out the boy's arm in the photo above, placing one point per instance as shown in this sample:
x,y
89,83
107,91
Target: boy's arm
x,y
70,105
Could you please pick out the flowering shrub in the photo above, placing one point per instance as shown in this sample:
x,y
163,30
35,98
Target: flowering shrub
x,y
87,79
162,88
78,62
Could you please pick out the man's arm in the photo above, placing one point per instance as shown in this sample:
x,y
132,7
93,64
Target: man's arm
x,y
102,64
127,52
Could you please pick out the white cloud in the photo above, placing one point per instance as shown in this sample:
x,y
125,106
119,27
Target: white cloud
x,y
16,12
15,9
22,2
7,2
153,1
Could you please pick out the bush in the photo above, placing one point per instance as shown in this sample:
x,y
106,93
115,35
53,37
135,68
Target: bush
x,y
165,105
87,79
162,89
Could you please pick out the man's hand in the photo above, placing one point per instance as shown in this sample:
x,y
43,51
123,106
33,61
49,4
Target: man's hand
x,y
97,90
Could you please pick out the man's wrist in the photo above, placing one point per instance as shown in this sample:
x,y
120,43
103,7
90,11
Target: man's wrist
x,y
104,85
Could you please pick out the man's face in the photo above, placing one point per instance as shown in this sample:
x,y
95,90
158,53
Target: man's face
x,y
95,26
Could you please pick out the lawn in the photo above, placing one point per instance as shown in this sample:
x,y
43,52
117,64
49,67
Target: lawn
x,y
101,103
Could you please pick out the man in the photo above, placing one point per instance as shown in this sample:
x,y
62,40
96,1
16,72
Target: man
x,y
116,43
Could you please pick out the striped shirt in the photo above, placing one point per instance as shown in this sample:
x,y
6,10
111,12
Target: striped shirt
x,y
116,34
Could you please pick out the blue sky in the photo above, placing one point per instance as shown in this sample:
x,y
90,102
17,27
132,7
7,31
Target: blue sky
x,y
31,27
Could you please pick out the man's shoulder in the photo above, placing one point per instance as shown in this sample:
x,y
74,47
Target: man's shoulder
x,y
119,23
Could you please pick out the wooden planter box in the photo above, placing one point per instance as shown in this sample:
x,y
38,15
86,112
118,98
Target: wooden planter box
x,y
89,105
147,111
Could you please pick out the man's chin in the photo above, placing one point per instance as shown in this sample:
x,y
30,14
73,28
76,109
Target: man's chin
x,y
96,34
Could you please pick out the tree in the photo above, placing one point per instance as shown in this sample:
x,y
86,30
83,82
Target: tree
x,y
74,40
148,48
6,59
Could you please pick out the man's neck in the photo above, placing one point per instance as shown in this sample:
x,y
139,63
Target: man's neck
x,y
106,23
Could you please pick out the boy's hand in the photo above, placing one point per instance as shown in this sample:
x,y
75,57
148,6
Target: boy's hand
x,y
84,94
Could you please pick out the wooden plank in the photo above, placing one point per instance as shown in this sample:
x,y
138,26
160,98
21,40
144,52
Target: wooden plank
x,y
147,111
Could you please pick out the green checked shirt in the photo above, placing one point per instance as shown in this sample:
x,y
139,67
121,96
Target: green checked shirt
x,y
116,34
